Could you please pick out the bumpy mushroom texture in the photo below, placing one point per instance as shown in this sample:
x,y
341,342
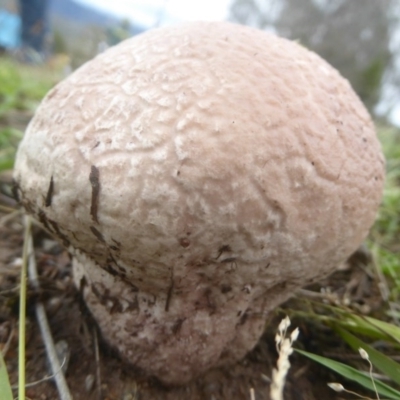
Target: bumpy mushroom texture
x,y
200,174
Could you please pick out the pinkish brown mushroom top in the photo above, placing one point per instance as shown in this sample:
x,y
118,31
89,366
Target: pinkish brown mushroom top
x,y
212,153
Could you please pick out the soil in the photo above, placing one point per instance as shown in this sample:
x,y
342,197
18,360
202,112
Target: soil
x,y
104,376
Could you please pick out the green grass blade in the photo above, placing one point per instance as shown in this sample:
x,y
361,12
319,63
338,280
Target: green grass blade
x,y
385,364
370,327
5,387
354,375
360,324
22,312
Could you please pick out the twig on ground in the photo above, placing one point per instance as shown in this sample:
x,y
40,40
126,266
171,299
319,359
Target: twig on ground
x,y
8,342
97,359
52,356
22,310
252,394
46,378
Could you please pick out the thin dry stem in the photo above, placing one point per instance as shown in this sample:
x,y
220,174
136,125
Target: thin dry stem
x,y
337,387
252,394
97,358
8,342
364,355
41,316
285,349
46,378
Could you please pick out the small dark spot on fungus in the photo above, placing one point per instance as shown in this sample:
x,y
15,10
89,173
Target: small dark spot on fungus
x,y
225,288
312,163
177,325
116,306
134,288
210,301
364,140
153,301
50,191
223,249
178,173
94,179
133,305
169,295
82,284
184,242
97,293
243,319
97,234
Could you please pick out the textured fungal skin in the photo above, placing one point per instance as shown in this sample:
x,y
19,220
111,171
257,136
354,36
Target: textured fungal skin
x,y
200,174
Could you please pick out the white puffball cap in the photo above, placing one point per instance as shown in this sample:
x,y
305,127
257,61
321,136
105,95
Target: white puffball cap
x,y
199,174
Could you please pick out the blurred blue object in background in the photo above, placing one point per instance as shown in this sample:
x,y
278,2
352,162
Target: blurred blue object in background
x,y
10,27
34,24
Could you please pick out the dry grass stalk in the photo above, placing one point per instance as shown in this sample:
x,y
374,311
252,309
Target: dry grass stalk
x,y
285,349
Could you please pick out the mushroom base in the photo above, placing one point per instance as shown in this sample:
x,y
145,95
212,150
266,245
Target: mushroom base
x,y
178,339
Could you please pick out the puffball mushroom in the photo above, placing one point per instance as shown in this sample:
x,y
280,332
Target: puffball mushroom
x,y
199,174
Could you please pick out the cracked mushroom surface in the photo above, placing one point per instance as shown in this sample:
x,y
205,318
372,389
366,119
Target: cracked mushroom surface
x,y
199,174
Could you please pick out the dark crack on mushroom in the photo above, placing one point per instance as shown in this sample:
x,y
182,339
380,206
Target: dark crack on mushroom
x,y
228,260
97,234
177,325
111,270
50,191
111,303
169,295
43,220
94,179
116,242
58,232
82,284
210,301
15,190
223,249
